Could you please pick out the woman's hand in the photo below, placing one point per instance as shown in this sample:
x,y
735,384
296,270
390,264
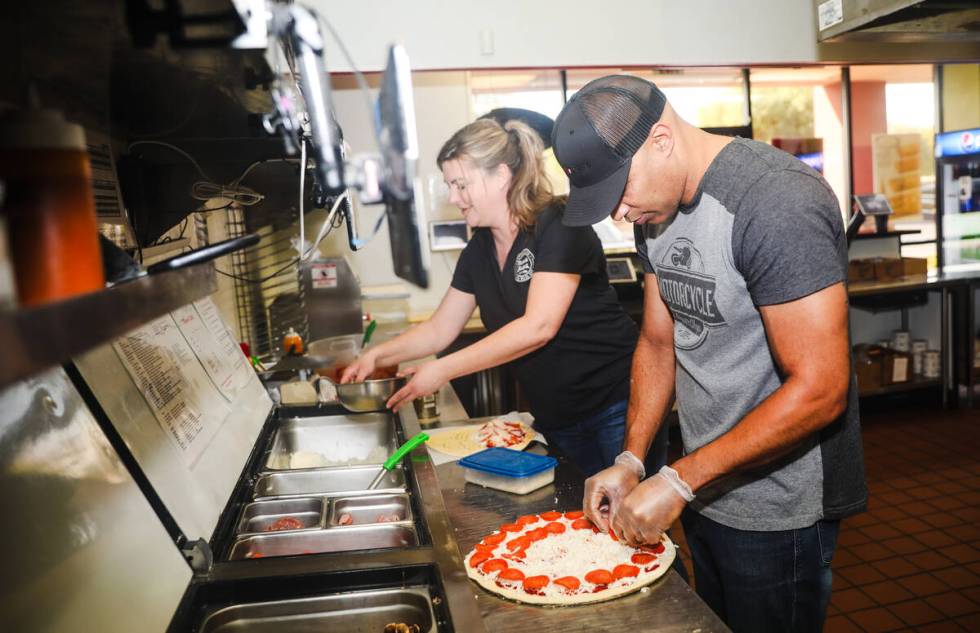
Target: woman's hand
x,y
360,369
425,379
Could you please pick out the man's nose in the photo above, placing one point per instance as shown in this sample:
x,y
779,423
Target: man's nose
x,y
621,212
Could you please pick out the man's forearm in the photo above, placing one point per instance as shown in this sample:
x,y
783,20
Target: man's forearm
x,y
651,394
778,425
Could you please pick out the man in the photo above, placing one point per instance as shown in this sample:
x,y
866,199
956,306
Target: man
x,y
745,320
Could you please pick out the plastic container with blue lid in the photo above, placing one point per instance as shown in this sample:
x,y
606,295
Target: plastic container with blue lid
x,y
509,470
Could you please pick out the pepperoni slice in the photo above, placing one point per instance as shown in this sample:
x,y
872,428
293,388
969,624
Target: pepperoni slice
x,y
495,539
652,567
492,565
642,559
570,583
511,527
551,516
575,514
582,524
527,519
479,557
534,584
537,534
555,528
599,577
521,542
625,571
483,547
515,575
613,535
656,549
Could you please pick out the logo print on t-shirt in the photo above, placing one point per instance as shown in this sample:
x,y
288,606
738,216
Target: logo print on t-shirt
x,y
689,292
524,266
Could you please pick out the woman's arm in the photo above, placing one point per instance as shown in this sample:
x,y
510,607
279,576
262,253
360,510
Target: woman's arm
x,y
548,300
426,338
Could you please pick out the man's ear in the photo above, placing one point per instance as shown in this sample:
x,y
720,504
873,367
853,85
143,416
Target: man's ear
x,y
662,137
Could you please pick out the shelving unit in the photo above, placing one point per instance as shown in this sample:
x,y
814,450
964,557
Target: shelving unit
x,y
33,339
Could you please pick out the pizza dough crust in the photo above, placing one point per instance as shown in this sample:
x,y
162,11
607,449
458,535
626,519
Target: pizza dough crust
x,y
664,561
463,442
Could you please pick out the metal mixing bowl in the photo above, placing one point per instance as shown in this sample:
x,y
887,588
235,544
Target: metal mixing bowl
x,y
370,395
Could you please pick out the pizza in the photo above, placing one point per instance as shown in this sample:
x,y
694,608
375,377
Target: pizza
x,y
562,559
465,441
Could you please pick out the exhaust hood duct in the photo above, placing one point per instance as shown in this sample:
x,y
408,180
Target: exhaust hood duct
x,y
899,21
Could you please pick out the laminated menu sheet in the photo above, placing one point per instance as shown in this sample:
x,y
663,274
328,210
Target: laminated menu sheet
x,y
178,390
213,344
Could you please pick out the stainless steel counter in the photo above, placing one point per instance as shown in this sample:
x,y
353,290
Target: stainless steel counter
x,y
668,605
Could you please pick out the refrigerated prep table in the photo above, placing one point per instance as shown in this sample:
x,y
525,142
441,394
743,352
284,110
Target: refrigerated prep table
x,y
156,488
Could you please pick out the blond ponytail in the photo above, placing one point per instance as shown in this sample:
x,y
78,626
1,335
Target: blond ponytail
x,y
487,144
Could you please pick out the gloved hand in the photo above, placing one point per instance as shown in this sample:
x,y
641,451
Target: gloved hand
x,y
360,369
647,512
605,490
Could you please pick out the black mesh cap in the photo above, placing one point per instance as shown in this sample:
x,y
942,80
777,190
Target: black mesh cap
x,y
595,137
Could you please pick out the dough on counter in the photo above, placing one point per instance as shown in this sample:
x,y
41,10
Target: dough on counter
x,y
307,459
299,392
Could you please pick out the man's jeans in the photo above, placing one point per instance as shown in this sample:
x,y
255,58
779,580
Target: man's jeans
x,y
593,443
759,582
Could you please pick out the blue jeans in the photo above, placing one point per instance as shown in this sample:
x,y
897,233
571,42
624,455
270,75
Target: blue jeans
x,y
759,582
593,443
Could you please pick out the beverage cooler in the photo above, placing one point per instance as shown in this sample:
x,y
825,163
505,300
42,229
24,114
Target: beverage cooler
x,y
958,200
151,485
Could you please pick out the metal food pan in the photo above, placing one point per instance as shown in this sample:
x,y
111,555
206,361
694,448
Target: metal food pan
x,y
352,612
384,536
332,441
333,482
367,510
257,517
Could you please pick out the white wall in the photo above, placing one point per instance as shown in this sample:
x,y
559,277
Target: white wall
x,y
441,34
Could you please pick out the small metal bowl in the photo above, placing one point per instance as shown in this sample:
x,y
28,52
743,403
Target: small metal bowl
x,y
370,395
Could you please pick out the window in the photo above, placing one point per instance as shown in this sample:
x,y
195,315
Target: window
x,y
537,90
893,114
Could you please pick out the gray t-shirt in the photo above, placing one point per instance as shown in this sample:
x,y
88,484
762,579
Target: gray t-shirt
x,y
763,229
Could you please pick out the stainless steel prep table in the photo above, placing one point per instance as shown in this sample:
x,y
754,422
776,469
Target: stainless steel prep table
x,y
669,604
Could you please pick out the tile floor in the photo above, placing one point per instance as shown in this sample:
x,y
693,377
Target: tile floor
x,y
912,562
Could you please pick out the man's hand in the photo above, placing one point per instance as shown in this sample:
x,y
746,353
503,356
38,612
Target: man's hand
x,y
425,379
606,489
647,512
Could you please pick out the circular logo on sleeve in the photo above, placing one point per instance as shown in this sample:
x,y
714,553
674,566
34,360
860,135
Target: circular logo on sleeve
x,y
524,266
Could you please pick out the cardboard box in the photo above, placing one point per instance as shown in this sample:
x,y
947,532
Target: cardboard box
x,y
896,367
915,266
889,268
868,361
860,270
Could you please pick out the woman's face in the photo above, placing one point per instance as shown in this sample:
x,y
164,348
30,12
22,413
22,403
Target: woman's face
x,y
480,196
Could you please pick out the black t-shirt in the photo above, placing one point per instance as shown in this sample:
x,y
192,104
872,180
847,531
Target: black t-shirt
x,y
586,367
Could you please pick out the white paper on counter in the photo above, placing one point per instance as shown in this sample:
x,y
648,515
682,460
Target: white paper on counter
x,y
162,365
439,457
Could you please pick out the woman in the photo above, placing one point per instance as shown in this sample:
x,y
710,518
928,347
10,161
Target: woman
x,y
543,295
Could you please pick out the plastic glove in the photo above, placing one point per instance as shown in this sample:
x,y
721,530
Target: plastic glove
x,y
425,379
647,512
605,490
360,369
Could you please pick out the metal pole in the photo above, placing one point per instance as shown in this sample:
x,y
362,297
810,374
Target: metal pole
x,y
845,95
747,91
564,86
